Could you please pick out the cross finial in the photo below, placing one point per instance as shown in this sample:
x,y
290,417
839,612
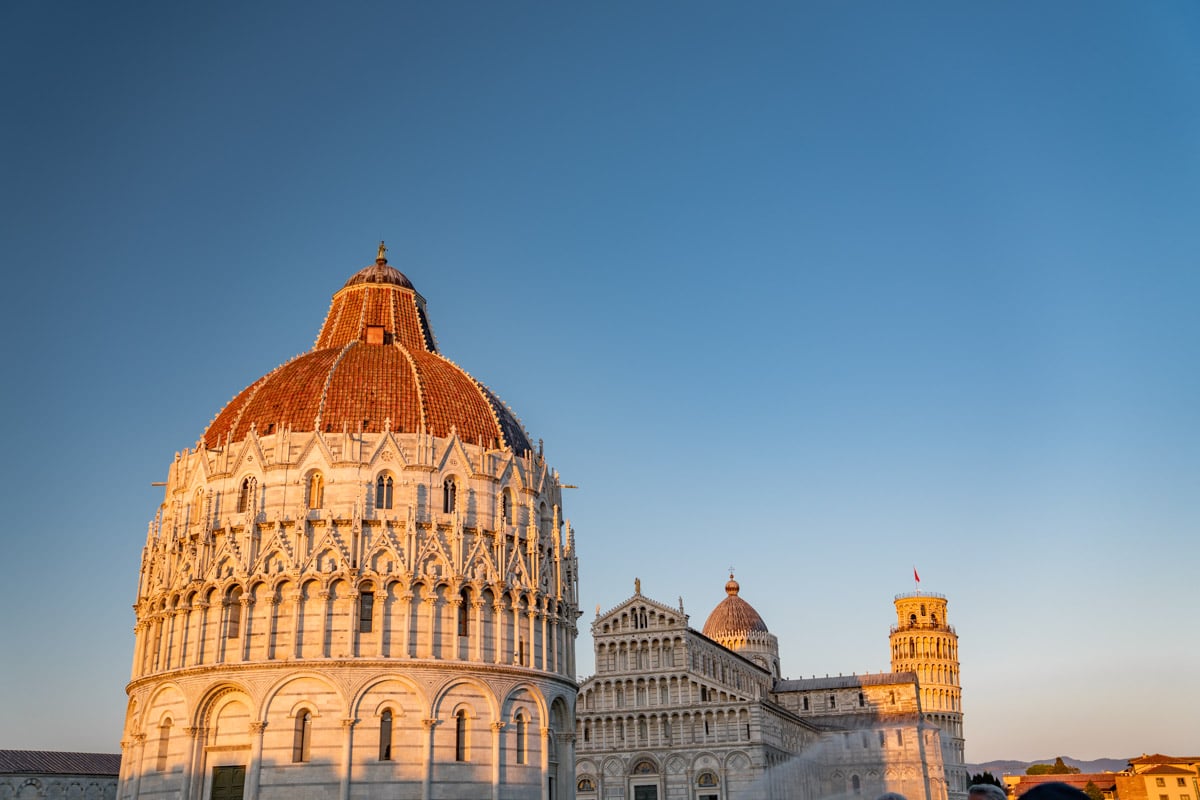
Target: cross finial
x,y
731,570
380,258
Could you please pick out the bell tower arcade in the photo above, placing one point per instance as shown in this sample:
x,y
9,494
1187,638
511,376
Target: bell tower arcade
x,y
924,642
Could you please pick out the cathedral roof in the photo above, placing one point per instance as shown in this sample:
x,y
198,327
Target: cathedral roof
x,y
733,615
44,762
375,365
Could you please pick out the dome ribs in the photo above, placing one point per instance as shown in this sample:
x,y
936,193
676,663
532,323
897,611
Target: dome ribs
x,y
408,326
454,401
347,383
369,385
227,419
353,309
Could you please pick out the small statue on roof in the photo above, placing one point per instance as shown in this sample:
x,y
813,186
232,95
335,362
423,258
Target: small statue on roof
x,y
380,258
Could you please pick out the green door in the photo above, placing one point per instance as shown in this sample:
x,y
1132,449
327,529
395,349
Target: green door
x,y
228,783
645,793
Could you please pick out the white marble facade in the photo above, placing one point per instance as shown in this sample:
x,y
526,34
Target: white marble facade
x,y
675,714
355,613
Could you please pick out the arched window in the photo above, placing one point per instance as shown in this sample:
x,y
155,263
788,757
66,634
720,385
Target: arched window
x,y
912,619
302,739
856,784
164,738
522,738
233,604
585,785
832,701
366,609
506,508
464,613
862,700
383,491
460,735
385,736
806,702
449,494
933,618
246,495
316,490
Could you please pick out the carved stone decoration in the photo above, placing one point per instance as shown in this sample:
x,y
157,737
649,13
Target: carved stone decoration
x,y
372,602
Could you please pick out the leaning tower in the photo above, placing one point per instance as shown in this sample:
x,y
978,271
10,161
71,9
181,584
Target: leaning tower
x,y
925,643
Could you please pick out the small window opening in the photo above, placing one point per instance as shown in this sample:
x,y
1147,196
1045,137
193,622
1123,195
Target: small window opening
x,y
164,737
464,614
246,495
366,611
449,495
522,737
233,628
302,739
383,491
460,735
385,736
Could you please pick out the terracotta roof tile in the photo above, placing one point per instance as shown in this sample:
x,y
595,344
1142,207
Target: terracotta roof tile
x,y
344,382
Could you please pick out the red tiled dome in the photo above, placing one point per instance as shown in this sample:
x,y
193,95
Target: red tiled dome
x,y
733,615
375,363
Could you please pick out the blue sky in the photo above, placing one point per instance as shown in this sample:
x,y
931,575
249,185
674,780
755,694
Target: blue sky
x,y
820,290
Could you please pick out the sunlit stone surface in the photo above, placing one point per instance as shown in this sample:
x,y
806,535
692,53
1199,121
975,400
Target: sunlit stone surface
x,y
675,713
360,584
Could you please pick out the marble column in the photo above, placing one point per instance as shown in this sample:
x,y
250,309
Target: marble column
x,y
254,768
497,728
427,780
347,757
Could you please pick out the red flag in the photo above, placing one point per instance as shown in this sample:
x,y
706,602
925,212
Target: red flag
x,y
916,577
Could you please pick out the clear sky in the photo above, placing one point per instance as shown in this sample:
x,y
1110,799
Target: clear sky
x,y
823,291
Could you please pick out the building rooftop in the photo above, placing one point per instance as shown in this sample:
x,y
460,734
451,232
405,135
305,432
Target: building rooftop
x,y
51,762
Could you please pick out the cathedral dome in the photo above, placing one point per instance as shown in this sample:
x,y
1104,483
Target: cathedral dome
x,y
375,366
733,615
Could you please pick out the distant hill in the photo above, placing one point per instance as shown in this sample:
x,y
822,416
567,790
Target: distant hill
x,y
1002,767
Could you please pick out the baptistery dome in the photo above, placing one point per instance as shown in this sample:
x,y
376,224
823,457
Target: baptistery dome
x,y
375,364
360,584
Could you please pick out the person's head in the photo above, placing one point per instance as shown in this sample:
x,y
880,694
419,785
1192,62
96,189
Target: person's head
x,y
986,791
1054,791
891,796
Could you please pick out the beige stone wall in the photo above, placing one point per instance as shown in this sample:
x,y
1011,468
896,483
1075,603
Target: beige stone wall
x,y
454,617
58,787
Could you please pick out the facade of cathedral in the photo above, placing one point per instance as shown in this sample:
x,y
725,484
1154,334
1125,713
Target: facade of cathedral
x,y
360,584
677,714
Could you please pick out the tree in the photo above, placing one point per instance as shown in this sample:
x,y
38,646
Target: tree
x,y
1057,768
986,777
1093,791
